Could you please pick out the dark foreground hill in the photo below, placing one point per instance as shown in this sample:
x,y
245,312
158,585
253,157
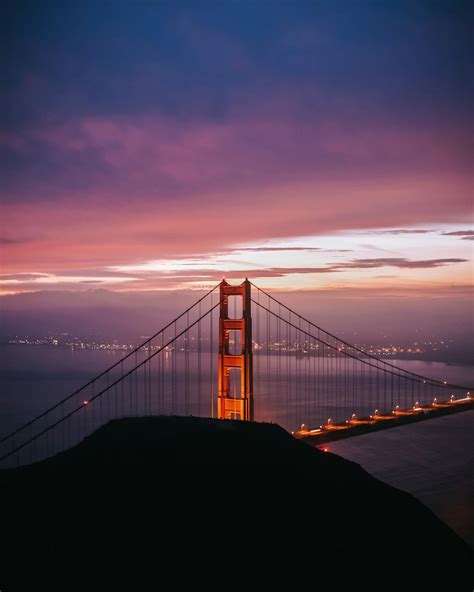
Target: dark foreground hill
x,y
208,492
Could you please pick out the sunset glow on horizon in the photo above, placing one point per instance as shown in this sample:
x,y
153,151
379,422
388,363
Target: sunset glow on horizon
x,y
411,258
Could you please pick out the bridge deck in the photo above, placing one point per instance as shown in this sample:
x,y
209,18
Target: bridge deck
x,y
358,427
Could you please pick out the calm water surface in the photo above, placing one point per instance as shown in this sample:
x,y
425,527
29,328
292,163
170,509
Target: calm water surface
x,y
433,460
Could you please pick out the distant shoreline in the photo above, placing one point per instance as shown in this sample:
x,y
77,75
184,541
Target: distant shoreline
x,y
461,359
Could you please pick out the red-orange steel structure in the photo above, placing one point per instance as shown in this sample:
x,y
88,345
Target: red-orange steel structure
x,y
239,406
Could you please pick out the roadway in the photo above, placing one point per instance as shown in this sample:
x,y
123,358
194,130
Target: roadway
x,y
397,418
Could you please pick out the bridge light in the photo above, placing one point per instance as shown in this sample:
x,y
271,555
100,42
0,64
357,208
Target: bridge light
x,y
325,450
303,427
85,402
424,382
329,420
444,382
353,416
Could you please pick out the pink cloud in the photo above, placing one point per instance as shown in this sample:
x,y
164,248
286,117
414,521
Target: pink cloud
x,y
163,187
267,143
99,232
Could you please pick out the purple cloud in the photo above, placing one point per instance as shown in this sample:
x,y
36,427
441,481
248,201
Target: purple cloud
x,y
22,277
399,262
462,234
402,231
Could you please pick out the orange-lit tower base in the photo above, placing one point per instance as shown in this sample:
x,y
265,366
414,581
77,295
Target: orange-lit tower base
x,y
241,405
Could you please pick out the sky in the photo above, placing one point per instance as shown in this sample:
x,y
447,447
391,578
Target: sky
x,y
322,149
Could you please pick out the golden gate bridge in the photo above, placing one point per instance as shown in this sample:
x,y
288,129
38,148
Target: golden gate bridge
x,y
238,353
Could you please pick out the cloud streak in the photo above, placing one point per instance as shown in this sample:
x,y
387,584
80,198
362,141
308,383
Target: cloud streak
x,y
173,278
22,277
397,262
290,249
462,234
400,231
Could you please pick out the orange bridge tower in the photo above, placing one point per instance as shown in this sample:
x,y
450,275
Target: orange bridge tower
x,y
237,405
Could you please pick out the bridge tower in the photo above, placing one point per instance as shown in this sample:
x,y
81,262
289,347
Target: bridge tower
x,y
239,406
